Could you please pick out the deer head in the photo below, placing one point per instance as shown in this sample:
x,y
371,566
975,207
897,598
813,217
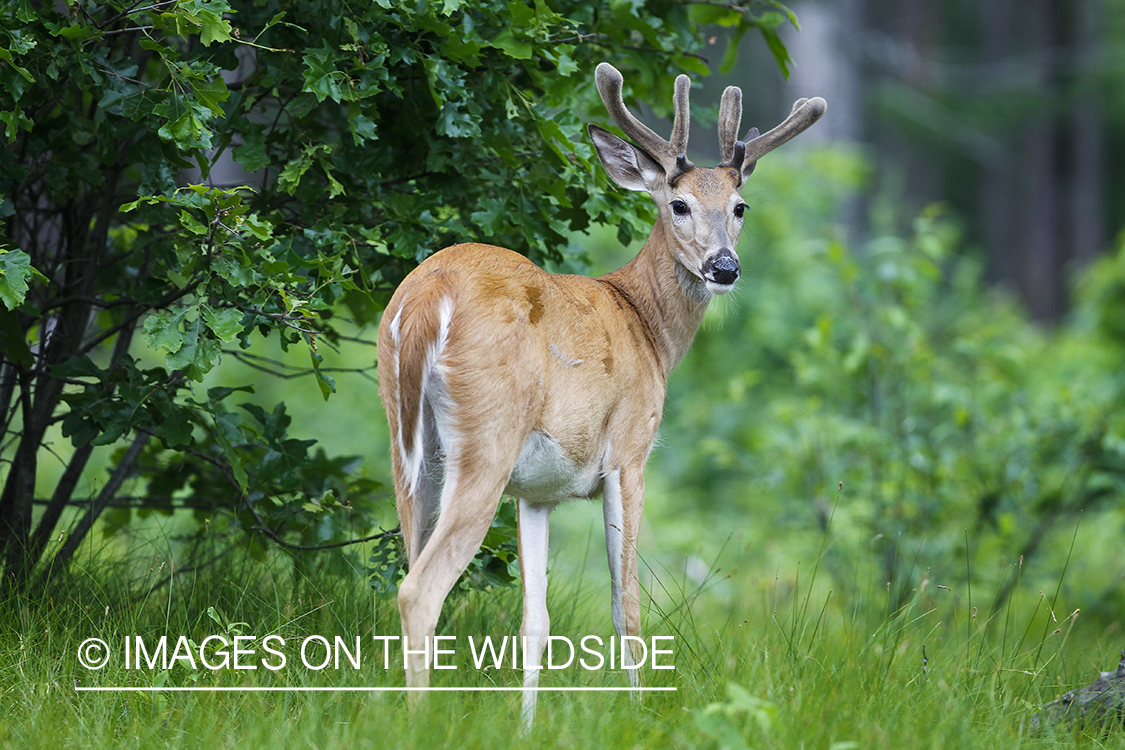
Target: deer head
x,y
701,210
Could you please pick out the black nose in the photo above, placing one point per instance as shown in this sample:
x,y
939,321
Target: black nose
x,y
722,268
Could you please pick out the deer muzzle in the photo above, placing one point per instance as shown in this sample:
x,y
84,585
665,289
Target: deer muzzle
x,y
722,268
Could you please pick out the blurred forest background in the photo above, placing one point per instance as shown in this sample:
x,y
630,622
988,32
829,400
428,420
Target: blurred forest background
x,y
919,381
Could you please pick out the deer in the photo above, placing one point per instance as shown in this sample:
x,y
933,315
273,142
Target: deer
x,y
499,378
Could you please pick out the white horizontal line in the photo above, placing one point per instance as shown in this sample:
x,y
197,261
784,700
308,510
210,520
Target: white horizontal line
x,y
290,689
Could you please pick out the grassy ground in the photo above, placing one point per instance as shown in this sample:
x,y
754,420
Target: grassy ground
x,y
779,662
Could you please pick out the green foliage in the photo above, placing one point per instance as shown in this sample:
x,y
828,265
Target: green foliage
x,y
729,722
497,563
741,18
1102,295
15,272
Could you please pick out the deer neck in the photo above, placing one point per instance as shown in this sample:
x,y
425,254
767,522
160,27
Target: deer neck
x,y
668,298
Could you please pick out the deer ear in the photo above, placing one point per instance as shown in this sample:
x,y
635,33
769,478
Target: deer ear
x,y
627,165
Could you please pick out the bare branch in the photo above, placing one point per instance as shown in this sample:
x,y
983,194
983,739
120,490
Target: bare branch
x,y
131,28
151,502
397,531
264,364
284,318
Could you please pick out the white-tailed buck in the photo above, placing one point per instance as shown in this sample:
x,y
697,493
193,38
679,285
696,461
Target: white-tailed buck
x,y
499,378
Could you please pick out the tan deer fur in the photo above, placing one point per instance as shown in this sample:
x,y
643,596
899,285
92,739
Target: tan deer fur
x,y
500,378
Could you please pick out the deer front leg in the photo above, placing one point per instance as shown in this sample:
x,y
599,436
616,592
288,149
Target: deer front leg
x,y
624,499
534,532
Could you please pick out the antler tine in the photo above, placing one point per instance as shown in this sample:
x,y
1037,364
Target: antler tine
x,y
670,155
738,155
730,116
682,117
680,123
805,113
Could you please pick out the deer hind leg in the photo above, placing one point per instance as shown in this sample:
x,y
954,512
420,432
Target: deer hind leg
x,y
623,500
534,533
471,490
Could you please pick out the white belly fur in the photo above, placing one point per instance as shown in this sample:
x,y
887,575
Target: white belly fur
x,y
545,474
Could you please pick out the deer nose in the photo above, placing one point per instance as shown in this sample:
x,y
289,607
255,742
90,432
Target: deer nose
x,y
722,268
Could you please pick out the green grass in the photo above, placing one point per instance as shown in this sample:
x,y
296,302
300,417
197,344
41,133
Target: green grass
x,y
775,661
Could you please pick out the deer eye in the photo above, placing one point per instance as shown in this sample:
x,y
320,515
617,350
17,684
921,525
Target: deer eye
x,y
679,208
739,210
